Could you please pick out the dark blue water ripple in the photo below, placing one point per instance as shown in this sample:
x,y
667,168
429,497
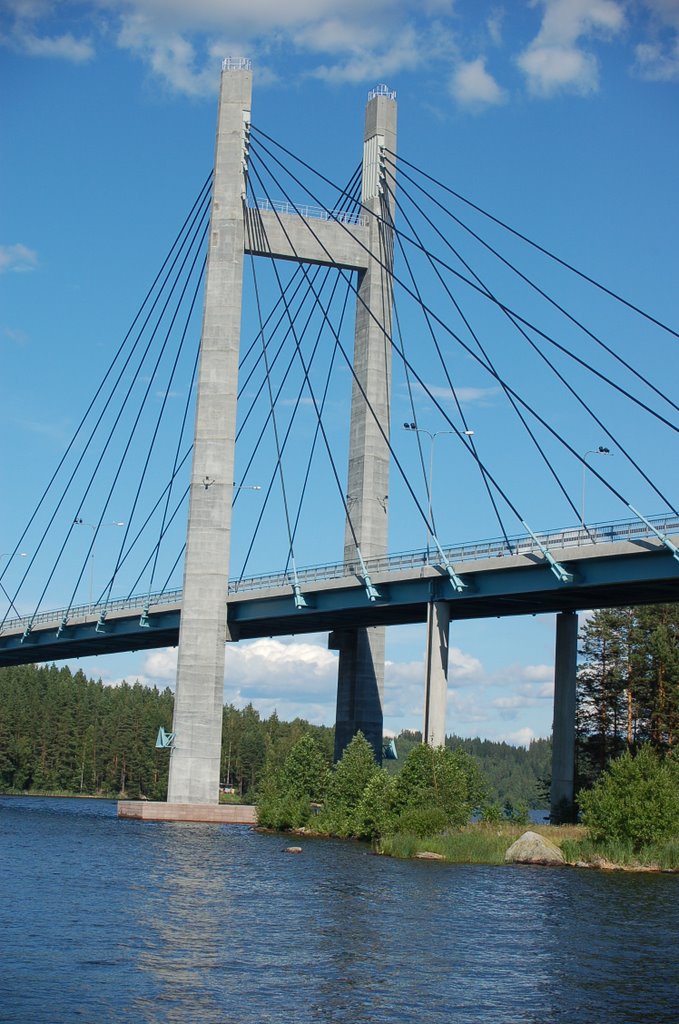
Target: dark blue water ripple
x,y
105,920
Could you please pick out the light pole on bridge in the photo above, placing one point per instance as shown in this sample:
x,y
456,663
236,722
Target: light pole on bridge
x,y
432,435
80,522
601,450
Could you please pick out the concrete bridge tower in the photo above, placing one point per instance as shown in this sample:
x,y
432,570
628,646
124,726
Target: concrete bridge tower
x,y
366,248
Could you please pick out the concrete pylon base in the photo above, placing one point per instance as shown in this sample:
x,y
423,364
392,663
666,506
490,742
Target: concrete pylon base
x,y
221,814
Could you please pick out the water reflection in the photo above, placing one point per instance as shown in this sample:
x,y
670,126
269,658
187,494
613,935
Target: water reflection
x,y
131,921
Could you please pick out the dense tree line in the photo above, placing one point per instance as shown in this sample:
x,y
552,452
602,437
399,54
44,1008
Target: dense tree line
x,y
628,685
62,732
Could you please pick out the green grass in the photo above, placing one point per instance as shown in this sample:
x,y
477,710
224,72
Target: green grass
x,y
664,856
474,844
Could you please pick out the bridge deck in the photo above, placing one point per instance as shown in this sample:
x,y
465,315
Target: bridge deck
x,y
607,573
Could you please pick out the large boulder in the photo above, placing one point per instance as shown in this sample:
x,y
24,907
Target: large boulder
x,y
532,848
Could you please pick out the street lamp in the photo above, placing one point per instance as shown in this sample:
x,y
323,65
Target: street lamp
x,y
591,451
9,555
80,522
432,438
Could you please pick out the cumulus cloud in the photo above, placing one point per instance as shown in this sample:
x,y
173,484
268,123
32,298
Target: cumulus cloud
x,y
555,61
21,34
657,58
18,258
181,43
474,87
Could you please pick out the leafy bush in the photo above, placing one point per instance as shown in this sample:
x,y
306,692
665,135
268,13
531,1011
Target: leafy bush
x,y
422,821
347,787
449,780
374,815
635,801
285,797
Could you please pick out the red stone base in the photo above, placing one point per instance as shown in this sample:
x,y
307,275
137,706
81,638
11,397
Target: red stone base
x,y
222,814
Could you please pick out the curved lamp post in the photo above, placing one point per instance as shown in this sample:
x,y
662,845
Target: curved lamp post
x,y
592,451
432,435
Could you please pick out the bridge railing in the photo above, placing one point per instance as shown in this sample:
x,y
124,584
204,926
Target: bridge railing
x,y
603,533
309,212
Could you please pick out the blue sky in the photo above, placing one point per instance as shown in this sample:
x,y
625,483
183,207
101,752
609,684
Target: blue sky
x,y
559,116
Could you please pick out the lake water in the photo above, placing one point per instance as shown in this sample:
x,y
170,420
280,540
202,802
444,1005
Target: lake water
x,y
106,920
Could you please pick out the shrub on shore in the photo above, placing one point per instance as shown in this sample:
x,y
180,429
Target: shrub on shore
x,y
436,790
635,802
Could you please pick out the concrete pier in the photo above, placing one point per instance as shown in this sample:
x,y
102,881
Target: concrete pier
x,y
216,814
563,729
436,674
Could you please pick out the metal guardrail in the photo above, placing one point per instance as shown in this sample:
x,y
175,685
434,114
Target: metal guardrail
x,y
602,533
309,212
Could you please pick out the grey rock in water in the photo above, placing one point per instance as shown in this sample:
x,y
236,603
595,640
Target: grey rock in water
x,y
428,855
293,849
532,848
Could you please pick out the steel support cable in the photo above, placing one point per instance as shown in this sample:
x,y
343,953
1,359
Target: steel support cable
x,y
150,515
343,208
284,444
351,185
200,212
176,465
168,523
262,384
316,303
599,341
480,291
540,353
355,378
106,375
137,418
474,356
279,454
305,370
324,397
463,418
196,237
535,245
280,301
287,334
489,363
163,404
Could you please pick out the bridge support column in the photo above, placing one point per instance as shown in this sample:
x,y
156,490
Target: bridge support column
x,y
563,729
360,683
436,674
360,687
195,759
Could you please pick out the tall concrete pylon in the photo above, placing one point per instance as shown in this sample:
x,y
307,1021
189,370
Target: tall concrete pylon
x,y
360,685
236,231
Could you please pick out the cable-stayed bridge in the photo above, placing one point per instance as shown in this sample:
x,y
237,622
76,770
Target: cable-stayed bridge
x,y
387,323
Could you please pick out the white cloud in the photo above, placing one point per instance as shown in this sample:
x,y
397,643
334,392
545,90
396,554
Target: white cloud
x,y
519,738
464,394
555,61
64,47
658,58
474,87
21,36
18,258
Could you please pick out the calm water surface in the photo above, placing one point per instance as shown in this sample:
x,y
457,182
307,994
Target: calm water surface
x,y
105,920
